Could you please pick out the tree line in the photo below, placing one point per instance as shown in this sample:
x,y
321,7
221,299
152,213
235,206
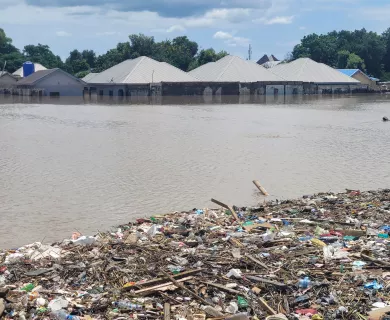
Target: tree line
x,y
179,52
359,49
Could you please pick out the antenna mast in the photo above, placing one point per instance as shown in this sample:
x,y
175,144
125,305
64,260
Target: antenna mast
x,y
250,52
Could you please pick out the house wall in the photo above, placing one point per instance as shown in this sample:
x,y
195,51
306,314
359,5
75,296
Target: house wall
x,y
59,82
6,81
364,80
128,90
199,88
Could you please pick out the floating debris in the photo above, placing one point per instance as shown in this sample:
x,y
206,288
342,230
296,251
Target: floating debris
x,y
324,256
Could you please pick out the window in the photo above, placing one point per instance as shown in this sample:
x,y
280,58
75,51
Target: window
x,y
276,92
295,91
111,93
101,93
54,94
120,93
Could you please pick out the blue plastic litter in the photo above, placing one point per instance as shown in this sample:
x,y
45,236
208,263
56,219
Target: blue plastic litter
x,y
373,285
385,228
199,211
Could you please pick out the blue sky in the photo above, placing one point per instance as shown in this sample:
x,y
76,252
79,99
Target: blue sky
x,y
270,26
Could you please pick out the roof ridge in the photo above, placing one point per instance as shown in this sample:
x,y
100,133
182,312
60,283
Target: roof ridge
x,y
136,66
224,70
303,67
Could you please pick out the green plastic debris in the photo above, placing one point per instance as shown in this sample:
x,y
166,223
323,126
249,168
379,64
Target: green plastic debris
x,y
28,287
350,238
383,235
242,302
247,223
228,213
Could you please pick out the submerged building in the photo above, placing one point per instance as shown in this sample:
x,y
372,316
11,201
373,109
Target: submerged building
x,y
316,77
50,82
142,76
252,78
363,78
7,80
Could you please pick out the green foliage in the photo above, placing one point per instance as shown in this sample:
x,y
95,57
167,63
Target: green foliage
x,y
357,49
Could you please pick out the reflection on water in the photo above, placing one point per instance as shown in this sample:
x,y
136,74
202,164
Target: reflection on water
x,y
66,165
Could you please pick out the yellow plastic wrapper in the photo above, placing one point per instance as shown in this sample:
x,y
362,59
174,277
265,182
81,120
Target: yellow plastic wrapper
x,y
318,243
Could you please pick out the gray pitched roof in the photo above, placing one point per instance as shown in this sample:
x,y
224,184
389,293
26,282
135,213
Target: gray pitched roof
x,y
267,58
39,75
142,70
234,69
307,70
38,67
89,77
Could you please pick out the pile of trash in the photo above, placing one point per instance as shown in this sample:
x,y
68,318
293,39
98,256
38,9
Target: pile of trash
x,y
324,256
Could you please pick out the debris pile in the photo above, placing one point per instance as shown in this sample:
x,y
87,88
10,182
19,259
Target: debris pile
x,y
324,256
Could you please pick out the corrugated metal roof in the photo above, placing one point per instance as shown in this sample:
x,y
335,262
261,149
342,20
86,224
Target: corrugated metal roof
x,y
234,69
89,77
35,77
38,67
348,72
39,75
351,72
307,70
142,70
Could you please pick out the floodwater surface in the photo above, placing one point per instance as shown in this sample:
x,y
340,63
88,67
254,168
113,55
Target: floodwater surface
x,y
67,167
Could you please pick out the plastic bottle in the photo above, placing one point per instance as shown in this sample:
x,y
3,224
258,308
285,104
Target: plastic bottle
x,y
62,315
127,305
304,283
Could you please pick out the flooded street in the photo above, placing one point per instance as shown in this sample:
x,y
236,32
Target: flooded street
x,y
89,167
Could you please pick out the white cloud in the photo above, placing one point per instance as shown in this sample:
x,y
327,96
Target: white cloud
x,y
176,28
302,28
222,35
63,34
231,40
108,33
275,20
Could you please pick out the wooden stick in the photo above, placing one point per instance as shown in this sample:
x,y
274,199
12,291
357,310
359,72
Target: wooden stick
x,y
223,288
265,305
268,282
149,290
261,188
167,311
178,284
157,280
226,207
256,261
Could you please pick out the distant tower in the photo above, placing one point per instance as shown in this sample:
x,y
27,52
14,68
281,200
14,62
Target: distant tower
x,y
250,52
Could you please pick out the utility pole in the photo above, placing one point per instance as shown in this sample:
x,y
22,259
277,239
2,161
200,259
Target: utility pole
x,y
250,52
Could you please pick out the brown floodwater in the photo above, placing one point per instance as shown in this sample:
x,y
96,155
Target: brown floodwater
x,y
67,166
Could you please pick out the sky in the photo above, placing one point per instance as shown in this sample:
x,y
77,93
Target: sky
x,y
270,26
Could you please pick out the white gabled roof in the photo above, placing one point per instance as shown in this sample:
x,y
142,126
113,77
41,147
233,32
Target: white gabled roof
x,y
142,70
38,67
234,69
89,77
307,70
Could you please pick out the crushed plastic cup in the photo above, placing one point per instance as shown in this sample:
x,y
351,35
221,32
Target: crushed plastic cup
x,y
234,273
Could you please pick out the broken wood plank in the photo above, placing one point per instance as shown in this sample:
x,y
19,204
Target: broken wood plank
x,y
222,287
167,311
265,305
157,280
226,207
256,261
268,282
178,284
261,188
162,287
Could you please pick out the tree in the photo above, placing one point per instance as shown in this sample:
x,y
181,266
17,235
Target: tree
x,y
142,45
42,54
342,59
10,56
90,57
76,63
355,62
